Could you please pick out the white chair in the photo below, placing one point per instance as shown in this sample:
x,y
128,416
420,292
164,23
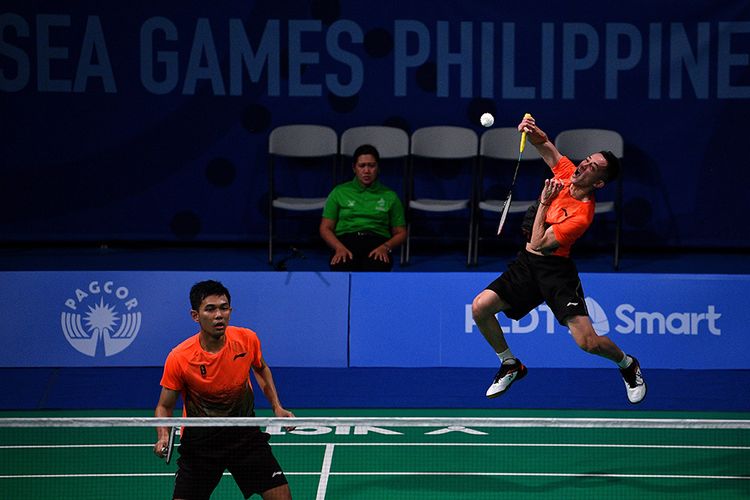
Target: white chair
x,y
499,147
301,142
577,144
441,143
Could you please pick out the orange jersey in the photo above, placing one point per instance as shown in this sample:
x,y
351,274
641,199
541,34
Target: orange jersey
x,y
215,384
569,218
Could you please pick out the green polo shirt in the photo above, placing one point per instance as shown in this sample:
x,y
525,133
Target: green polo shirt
x,y
356,208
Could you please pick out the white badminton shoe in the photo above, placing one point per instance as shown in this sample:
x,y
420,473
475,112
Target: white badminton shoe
x,y
634,383
505,376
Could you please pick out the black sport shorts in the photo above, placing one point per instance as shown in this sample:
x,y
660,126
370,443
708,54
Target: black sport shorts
x,y
250,461
532,279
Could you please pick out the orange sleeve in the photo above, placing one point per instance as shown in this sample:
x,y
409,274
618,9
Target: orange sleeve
x,y
254,348
172,376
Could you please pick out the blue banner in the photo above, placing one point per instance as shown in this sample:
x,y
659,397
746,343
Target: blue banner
x,y
667,321
150,120
305,319
135,318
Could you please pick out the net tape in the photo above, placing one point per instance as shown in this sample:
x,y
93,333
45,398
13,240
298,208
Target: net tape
x,y
613,423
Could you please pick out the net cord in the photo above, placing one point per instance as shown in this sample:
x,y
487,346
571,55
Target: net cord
x,y
619,423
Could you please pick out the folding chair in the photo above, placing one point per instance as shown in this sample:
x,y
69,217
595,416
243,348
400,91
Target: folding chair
x,y
577,144
299,142
441,143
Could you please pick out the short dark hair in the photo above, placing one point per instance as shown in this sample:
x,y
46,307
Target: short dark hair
x,y
204,289
366,149
613,166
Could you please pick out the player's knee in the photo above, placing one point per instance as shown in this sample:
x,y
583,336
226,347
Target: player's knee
x,y
485,305
589,344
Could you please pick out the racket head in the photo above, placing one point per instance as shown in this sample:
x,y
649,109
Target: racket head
x,y
170,444
504,213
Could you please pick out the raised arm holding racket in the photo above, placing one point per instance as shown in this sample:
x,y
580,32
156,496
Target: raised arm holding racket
x,y
543,271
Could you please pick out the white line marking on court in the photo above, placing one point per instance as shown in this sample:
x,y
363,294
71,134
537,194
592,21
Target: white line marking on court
x,y
325,472
539,474
485,474
506,445
540,445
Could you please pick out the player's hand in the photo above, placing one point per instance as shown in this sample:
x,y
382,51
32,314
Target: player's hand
x,y
284,413
551,189
160,448
342,255
380,253
535,135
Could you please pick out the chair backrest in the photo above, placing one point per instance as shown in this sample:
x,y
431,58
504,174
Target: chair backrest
x,y
503,144
308,141
577,144
391,142
447,142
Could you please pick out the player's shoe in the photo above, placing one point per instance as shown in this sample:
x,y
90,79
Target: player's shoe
x,y
634,383
506,375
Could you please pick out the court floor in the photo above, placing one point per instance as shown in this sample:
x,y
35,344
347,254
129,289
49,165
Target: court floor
x,y
381,462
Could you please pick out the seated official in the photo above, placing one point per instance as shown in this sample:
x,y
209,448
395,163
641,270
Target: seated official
x,y
363,220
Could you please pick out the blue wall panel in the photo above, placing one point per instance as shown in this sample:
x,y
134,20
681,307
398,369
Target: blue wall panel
x,y
667,321
63,318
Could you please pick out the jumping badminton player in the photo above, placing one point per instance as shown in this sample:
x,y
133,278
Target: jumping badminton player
x,y
543,270
212,372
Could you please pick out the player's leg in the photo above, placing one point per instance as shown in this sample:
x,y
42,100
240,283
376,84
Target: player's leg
x,y
196,478
514,285
587,339
278,493
563,292
256,470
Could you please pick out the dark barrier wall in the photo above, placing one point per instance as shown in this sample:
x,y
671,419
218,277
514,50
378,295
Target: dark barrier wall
x,y
150,120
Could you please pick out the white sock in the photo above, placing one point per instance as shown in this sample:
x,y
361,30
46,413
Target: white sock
x,y
626,361
506,356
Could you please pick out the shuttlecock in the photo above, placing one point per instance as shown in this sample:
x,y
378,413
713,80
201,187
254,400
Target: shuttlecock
x,y
487,120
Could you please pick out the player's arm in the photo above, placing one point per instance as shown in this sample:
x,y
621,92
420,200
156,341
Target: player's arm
x,y
265,381
540,141
164,409
543,238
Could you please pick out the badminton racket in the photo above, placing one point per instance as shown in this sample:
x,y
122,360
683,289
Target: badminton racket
x,y
167,450
506,206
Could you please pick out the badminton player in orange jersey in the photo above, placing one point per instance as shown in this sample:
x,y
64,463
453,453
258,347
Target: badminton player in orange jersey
x,y
211,370
543,270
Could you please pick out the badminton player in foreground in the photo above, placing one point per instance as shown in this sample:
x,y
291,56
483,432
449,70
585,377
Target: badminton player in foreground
x,y
543,270
212,372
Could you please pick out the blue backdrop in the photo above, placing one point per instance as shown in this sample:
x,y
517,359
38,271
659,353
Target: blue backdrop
x,y
149,121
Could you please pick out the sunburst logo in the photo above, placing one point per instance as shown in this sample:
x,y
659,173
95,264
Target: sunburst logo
x,y
101,319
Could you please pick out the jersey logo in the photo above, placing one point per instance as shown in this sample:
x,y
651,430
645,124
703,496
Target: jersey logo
x,y
240,355
203,370
564,211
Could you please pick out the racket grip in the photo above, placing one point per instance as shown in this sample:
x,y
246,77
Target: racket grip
x,y
523,136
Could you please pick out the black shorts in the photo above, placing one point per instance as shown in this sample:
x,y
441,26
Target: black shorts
x,y
532,279
360,244
250,461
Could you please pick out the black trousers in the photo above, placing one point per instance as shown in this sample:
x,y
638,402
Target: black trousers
x,y
360,244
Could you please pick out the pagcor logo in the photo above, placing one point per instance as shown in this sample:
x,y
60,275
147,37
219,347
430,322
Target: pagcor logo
x,y
630,321
94,317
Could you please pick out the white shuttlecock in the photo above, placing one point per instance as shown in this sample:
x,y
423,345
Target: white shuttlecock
x,y
487,120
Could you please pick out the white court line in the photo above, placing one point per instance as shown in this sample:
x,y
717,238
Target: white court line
x,y
503,445
460,474
325,472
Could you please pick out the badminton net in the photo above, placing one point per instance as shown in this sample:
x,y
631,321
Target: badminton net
x,y
395,457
